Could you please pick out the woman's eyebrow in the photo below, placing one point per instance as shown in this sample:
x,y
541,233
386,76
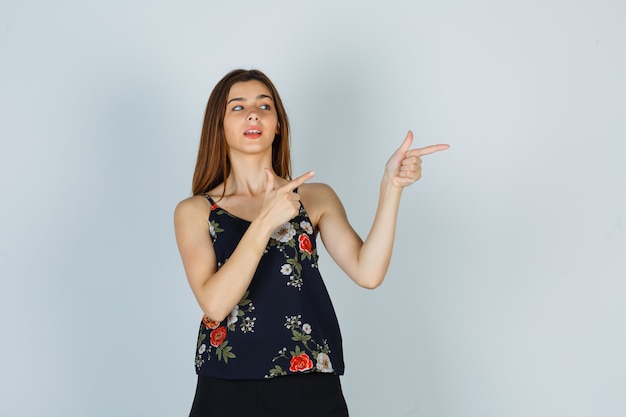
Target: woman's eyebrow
x,y
260,96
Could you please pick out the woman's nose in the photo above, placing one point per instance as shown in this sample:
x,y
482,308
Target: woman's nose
x,y
253,116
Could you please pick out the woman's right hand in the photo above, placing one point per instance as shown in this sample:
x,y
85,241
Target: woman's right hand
x,y
281,204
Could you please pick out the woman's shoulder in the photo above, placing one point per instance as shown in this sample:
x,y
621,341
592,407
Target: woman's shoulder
x,y
317,198
201,201
316,190
194,205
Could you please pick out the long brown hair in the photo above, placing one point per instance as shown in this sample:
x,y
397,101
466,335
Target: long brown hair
x,y
213,165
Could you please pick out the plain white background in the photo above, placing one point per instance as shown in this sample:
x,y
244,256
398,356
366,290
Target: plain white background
x,y
506,296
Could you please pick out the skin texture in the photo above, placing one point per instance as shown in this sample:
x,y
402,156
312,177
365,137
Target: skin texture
x,y
255,193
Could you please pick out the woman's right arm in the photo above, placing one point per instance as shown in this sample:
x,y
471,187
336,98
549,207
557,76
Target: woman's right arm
x,y
218,291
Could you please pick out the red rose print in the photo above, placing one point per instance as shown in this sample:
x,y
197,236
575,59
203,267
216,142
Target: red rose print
x,y
210,324
214,207
305,243
300,363
218,336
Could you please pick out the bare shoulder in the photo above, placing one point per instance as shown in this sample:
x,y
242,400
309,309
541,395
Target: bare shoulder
x,y
317,199
191,208
316,193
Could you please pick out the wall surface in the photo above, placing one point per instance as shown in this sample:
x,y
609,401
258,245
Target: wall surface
x,y
506,295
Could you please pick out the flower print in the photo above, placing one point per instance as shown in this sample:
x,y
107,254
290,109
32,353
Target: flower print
x,y
307,354
300,363
306,226
293,321
213,335
284,233
323,363
218,336
286,269
214,229
233,317
305,243
295,282
214,206
248,325
210,324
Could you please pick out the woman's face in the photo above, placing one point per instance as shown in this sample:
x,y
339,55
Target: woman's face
x,y
250,121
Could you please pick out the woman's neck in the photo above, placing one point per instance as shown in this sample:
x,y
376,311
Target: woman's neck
x,y
247,176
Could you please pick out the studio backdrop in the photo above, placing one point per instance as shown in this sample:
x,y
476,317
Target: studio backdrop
x,y
506,293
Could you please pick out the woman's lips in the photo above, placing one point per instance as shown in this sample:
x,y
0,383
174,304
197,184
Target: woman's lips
x,y
253,132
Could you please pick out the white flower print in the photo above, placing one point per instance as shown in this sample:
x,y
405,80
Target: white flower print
x,y
306,226
323,363
306,328
248,325
233,316
202,349
286,269
293,321
284,233
295,282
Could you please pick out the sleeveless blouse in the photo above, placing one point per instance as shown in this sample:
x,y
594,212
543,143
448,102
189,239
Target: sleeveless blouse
x,y
285,322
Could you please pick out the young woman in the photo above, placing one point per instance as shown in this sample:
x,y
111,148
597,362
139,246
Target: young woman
x,y
269,343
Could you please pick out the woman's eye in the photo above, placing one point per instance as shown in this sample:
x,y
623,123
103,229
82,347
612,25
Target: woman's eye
x,y
265,106
237,108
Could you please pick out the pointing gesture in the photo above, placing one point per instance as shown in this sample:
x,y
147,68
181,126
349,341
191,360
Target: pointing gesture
x,y
281,203
405,165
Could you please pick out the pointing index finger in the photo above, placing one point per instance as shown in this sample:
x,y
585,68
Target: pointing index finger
x,y
295,183
428,150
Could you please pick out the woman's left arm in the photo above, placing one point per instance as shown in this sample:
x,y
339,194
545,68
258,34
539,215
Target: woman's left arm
x,y
366,262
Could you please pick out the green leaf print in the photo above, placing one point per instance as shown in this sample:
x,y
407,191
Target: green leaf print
x,y
300,337
296,352
200,340
216,227
244,300
277,370
224,352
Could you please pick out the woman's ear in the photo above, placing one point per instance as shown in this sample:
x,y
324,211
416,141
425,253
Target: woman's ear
x,y
277,128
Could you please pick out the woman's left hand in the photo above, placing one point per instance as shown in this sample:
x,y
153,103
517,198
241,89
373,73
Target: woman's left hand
x,y
405,166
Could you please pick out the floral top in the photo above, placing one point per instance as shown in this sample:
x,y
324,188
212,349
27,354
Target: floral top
x,y
285,323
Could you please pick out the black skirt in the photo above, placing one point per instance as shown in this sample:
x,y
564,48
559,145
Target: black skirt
x,y
302,395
